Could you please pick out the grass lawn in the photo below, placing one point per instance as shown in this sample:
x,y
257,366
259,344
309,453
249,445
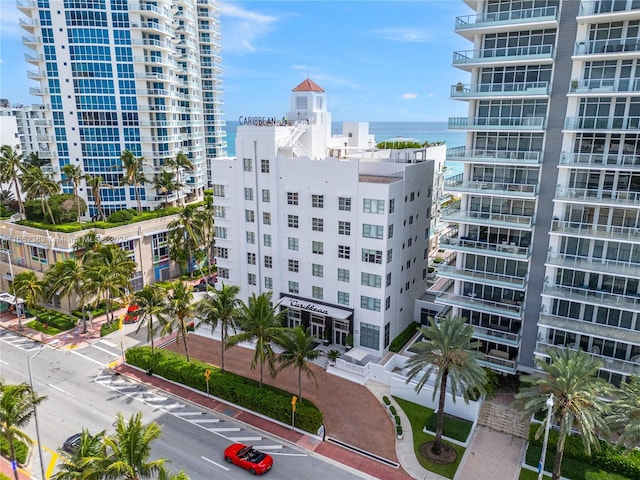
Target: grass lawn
x,y
40,327
418,415
529,475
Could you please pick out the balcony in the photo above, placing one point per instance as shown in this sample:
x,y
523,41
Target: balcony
x,y
597,196
499,90
31,40
607,11
480,276
33,59
602,123
479,187
589,230
502,250
30,24
495,359
593,297
599,161
149,10
454,214
36,74
497,334
614,364
604,86
596,265
619,47
38,91
480,305
497,123
506,157
153,27
152,42
530,16
26,6
155,61
504,55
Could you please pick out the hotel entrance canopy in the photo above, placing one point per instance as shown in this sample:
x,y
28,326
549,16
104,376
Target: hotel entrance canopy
x,y
311,307
10,299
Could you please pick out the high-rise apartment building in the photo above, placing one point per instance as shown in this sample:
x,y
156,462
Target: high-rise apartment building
x,y
548,222
118,75
27,121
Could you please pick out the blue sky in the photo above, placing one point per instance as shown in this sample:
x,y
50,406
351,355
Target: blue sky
x,y
376,60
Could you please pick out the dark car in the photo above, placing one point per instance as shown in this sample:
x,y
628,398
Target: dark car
x,y
71,443
247,457
205,282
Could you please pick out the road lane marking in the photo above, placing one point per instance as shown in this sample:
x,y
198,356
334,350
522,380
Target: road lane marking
x,y
106,351
185,414
215,463
223,429
205,420
270,447
59,389
87,358
246,439
108,343
3,362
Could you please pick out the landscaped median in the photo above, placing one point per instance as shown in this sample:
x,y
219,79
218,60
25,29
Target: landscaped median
x,y
244,392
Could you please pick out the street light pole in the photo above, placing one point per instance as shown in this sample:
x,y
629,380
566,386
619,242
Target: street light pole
x,y
546,437
35,412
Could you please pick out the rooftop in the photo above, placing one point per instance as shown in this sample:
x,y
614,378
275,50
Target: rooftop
x,y
308,86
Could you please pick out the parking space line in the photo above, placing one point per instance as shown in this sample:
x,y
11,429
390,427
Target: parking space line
x,y
214,463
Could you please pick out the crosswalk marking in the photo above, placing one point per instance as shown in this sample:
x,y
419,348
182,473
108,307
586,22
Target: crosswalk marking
x,y
185,414
205,420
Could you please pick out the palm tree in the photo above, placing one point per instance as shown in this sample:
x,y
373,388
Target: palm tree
x,y
578,393
11,170
17,405
181,161
151,304
220,306
185,236
74,175
625,413
205,217
84,462
95,184
449,353
34,160
67,278
39,185
298,349
263,323
86,243
180,311
27,286
133,175
165,182
6,196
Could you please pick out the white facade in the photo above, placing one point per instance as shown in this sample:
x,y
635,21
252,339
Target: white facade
x,y
29,134
342,241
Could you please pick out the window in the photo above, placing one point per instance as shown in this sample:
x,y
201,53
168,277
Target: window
x,y
266,218
343,275
220,212
317,201
264,165
370,280
294,287
317,224
248,193
343,298
372,231
292,198
317,270
344,228
220,232
370,303
317,247
251,258
344,204
411,220
160,247
371,256
294,266
218,190
247,164
409,242
317,292
344,252
293,243
223,273
251,237
390,231
250,216
38,254
389,255
392,205
292,221
251,279
387,335
373,206
218,252
387,303
266,239
266,195
268,283
369,336
388,284
268,261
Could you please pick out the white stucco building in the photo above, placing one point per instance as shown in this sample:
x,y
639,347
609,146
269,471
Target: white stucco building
x,y
336,229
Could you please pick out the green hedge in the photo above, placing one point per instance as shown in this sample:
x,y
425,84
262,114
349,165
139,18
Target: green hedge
x,y
19,447
53,318
107,328
610,458
269,401
401,340
454,427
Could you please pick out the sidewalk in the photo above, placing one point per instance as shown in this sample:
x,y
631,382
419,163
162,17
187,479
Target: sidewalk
x,y
5,468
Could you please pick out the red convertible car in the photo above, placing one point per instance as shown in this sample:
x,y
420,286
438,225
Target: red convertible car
x,y
252,460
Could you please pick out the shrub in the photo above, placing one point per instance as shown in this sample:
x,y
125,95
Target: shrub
x,y
20,448
398,430
438,260
393,410
52,318
245,392
398,422
386,400
401,340
121,216
107,328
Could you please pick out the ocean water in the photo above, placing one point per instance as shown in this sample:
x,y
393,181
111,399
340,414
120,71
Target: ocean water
x,y
385,131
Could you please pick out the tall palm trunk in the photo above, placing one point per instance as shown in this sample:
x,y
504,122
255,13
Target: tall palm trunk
x,y
558,460
300,384
135,189
77,199
12,451
224,338
53,220
183,330
18,195
437,443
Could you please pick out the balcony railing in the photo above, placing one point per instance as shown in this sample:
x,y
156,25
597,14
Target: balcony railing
x,y
501,89
457,184
600,160
597,7
498,123
599,265
596,231
498,335
606,85
501,54
617,45
602,123
481,276
462,154
498,363
590,328
480,304
464,244
595,195
588,295
540,14
453,213
609,363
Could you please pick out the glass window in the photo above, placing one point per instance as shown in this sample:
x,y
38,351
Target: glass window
x,y
292,198
251,258
387,335
317,270
343,298
38,254
266,218
292,221
392,205
317,201
317,292
248,193
218,252
344,251
317,247
250,216
369,336
268,283
294,287
344,228
317,224
371,256
294,266
247,164
266,195
268,261
373,206
251,237
343,275
218,190
251,279
266,239
264,165
344,204
370,303
390,230
371,280
372,231
293,243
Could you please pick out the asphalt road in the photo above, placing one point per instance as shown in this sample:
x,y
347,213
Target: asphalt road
x,y
81,393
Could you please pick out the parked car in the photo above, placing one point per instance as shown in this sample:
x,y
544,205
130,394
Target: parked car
x,y
132,314
71,443
205,282
247,457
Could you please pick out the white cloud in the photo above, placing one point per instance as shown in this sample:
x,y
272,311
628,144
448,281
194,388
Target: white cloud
x,y
409,96
242,28
401,34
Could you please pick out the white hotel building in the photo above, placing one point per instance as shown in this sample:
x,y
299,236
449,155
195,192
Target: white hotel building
x,y
338,231
548,238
